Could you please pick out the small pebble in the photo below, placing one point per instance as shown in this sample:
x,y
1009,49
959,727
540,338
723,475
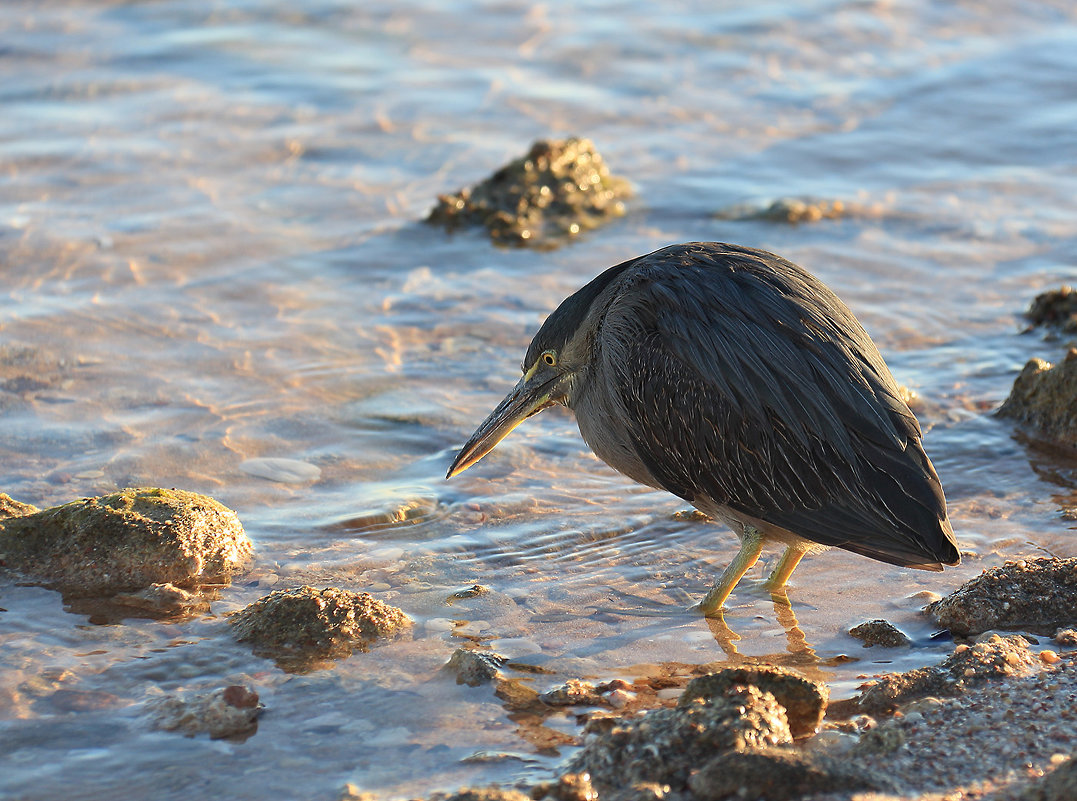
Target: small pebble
x,y
1049,657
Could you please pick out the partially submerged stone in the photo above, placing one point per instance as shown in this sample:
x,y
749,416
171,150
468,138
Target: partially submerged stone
x,y
560,188
804,700
229,712
519,696
301,625
1032,594
127,541
665,747
965,667
574,692
790,210
880,632
1056,308
1044,397
474,591
472,667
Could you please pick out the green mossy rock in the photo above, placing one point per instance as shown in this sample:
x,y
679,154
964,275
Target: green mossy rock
x,y
125,542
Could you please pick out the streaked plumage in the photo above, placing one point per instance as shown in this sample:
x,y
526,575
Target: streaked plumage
x,y
739,382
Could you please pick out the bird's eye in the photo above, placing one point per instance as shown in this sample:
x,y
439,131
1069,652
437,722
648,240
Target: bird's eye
x,y
549,358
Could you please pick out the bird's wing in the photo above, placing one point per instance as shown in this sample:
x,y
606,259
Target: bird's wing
x,y
745,380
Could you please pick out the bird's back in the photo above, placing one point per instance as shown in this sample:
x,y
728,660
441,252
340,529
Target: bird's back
x,y
736,380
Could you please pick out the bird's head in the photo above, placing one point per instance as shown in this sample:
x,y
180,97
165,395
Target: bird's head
x,y
553,362
555,367
554,370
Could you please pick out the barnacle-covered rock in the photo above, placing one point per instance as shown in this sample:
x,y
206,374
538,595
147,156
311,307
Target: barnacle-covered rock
x,y
302,626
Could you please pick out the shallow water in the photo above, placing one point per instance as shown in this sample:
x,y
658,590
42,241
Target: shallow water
x,y
214,279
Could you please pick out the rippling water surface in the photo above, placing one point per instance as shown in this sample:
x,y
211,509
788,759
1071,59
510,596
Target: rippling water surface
x,y
214,278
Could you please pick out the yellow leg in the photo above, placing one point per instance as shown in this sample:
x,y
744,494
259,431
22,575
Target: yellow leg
x,y
785,567
751,543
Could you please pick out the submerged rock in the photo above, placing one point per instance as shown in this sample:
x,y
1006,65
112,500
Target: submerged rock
x,y
1044,397
561,187
665,747
301,625
162,601
1056,308
127,541
880,632
229,712
1036,594
804,700
965,667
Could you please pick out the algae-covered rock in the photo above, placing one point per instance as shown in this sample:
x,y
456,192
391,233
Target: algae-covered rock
x,y
126,541
804,700
301,625
1033,594
561,187
665,747
967,666
229,712
1044,397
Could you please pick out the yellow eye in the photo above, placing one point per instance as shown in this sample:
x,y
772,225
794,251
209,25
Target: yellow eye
x,y
550,358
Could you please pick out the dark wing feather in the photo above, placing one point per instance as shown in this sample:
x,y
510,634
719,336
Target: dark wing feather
x,y
746,381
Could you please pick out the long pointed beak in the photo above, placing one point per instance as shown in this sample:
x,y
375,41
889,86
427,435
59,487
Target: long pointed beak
x,y
530,396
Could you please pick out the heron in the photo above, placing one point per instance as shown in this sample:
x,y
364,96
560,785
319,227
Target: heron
x,y
739,382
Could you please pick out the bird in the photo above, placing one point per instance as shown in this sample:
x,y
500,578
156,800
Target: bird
x,y
739,382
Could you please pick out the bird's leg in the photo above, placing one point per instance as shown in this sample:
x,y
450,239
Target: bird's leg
x,y
784,569
751,543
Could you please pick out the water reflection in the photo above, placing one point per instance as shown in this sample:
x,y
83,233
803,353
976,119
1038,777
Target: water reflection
x,y
799,653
